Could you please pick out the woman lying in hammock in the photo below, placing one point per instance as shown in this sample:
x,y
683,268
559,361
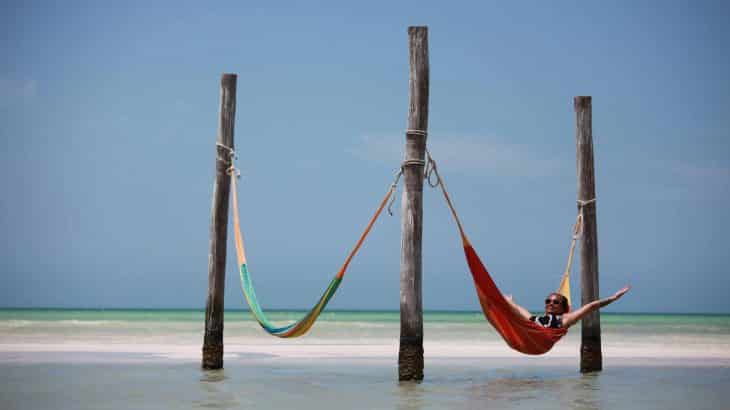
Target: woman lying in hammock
x,y
557,312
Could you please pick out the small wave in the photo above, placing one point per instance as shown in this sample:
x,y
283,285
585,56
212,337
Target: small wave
x,y
77,322
15,323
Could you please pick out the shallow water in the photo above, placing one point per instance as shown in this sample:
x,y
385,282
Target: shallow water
x,y
68,359
270,384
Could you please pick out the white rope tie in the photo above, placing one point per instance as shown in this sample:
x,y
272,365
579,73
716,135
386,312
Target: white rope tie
x,y
403,165
416,132
231,170
410,162
231,151
578,227
583,203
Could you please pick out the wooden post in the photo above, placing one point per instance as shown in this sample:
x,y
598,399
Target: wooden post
x,y
410,354
590,349
213,339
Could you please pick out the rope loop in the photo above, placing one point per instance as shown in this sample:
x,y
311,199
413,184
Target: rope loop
x,y
231,152
416,132
393,187
578,227
582,203
409,162
232,156
403,165
429,164
431,171
233,171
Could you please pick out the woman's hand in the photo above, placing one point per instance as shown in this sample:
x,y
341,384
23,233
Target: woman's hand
x,y
571,318
621,292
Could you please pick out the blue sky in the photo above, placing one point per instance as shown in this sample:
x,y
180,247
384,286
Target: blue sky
x,y
108,116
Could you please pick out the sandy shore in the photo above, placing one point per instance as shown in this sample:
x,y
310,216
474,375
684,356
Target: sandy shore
x,y
566,351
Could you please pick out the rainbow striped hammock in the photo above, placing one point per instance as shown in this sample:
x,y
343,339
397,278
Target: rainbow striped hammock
x,y
301,326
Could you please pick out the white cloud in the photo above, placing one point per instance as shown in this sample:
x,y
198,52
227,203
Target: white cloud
x,y
674,180
465,154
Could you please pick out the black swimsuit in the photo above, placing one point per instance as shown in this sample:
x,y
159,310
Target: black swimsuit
x,y
549,320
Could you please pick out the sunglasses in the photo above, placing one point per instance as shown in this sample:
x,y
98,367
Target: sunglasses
x,y
555,302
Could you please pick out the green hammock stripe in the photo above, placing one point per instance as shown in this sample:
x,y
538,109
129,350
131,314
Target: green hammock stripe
x,y
293,329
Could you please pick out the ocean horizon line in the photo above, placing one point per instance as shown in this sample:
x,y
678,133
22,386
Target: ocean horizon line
x,y
301,310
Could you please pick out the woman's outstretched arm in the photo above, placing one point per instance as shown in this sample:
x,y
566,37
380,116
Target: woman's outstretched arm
x,y
570,318
517,308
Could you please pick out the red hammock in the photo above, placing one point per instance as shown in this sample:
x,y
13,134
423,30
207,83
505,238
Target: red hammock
x,y
520,334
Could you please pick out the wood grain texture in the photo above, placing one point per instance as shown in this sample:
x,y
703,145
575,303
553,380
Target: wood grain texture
x,y
410,354
590,351
213,338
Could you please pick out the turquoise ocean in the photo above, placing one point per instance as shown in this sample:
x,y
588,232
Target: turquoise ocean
x,y
149,359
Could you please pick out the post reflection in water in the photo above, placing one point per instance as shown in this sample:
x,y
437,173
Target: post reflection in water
x,y
410,395
214,392
509,389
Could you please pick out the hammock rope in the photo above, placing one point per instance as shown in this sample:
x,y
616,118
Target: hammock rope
x,y
301,326
577,233
519,333
394,186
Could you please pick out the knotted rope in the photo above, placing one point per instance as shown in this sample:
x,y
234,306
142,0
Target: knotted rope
x,y
232,156
393,187
429,168
578,226
577,233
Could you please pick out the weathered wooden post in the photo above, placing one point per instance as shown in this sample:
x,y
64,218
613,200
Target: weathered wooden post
x,y
410,355
213,339
590,349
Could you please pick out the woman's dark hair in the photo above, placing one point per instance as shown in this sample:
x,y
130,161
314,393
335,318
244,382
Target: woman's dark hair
x,y
563,301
